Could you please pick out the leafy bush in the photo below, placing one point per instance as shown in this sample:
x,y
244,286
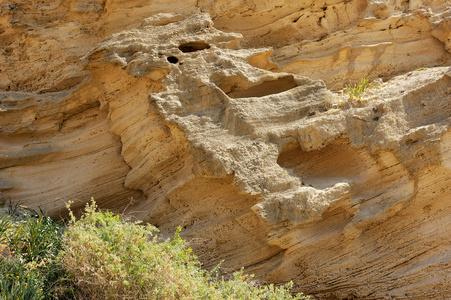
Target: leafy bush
x,y
109,258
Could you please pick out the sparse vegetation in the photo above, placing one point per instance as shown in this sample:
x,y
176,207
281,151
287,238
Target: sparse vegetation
x,y
103,256
357,90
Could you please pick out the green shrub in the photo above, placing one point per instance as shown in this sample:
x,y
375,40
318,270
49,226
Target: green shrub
x,y
112,259
109,258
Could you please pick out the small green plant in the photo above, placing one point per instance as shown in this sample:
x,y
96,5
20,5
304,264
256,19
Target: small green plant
x,y
356,91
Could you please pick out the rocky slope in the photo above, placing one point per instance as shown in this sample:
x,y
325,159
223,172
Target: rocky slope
x,y
226,118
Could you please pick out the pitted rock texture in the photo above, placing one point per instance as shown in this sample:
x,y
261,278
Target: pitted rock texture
x,y
189,119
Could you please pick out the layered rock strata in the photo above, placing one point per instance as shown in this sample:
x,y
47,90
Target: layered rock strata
x,y
175,123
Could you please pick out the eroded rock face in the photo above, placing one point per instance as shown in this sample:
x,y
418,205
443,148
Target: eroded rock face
x,y
166,117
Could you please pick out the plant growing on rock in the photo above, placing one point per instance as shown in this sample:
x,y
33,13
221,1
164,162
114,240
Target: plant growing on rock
x,y
356,90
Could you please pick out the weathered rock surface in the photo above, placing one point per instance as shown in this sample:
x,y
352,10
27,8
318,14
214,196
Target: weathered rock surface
x,y
155,109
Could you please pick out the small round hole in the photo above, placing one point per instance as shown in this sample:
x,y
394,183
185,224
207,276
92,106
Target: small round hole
x,y
173,59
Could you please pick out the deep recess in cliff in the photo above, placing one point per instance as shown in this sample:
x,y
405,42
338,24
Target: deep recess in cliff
x,y
227,118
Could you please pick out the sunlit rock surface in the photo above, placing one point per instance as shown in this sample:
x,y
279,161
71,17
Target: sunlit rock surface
x,y
227,118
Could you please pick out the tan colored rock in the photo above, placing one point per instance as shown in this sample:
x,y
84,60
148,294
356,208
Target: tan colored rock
x,y
168,118
349,39
387,40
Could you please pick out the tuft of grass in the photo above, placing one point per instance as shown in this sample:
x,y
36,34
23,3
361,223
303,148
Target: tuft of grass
x,y
35,239
29,246
356,90
19,283
5,224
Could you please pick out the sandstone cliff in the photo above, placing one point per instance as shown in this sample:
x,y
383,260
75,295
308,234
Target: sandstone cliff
x,y
228,118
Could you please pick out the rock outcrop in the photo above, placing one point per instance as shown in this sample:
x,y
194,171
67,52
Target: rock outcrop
x,y
227,118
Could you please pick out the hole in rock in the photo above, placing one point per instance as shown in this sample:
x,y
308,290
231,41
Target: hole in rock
x,y
193,46
337,162
173,59
263,89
